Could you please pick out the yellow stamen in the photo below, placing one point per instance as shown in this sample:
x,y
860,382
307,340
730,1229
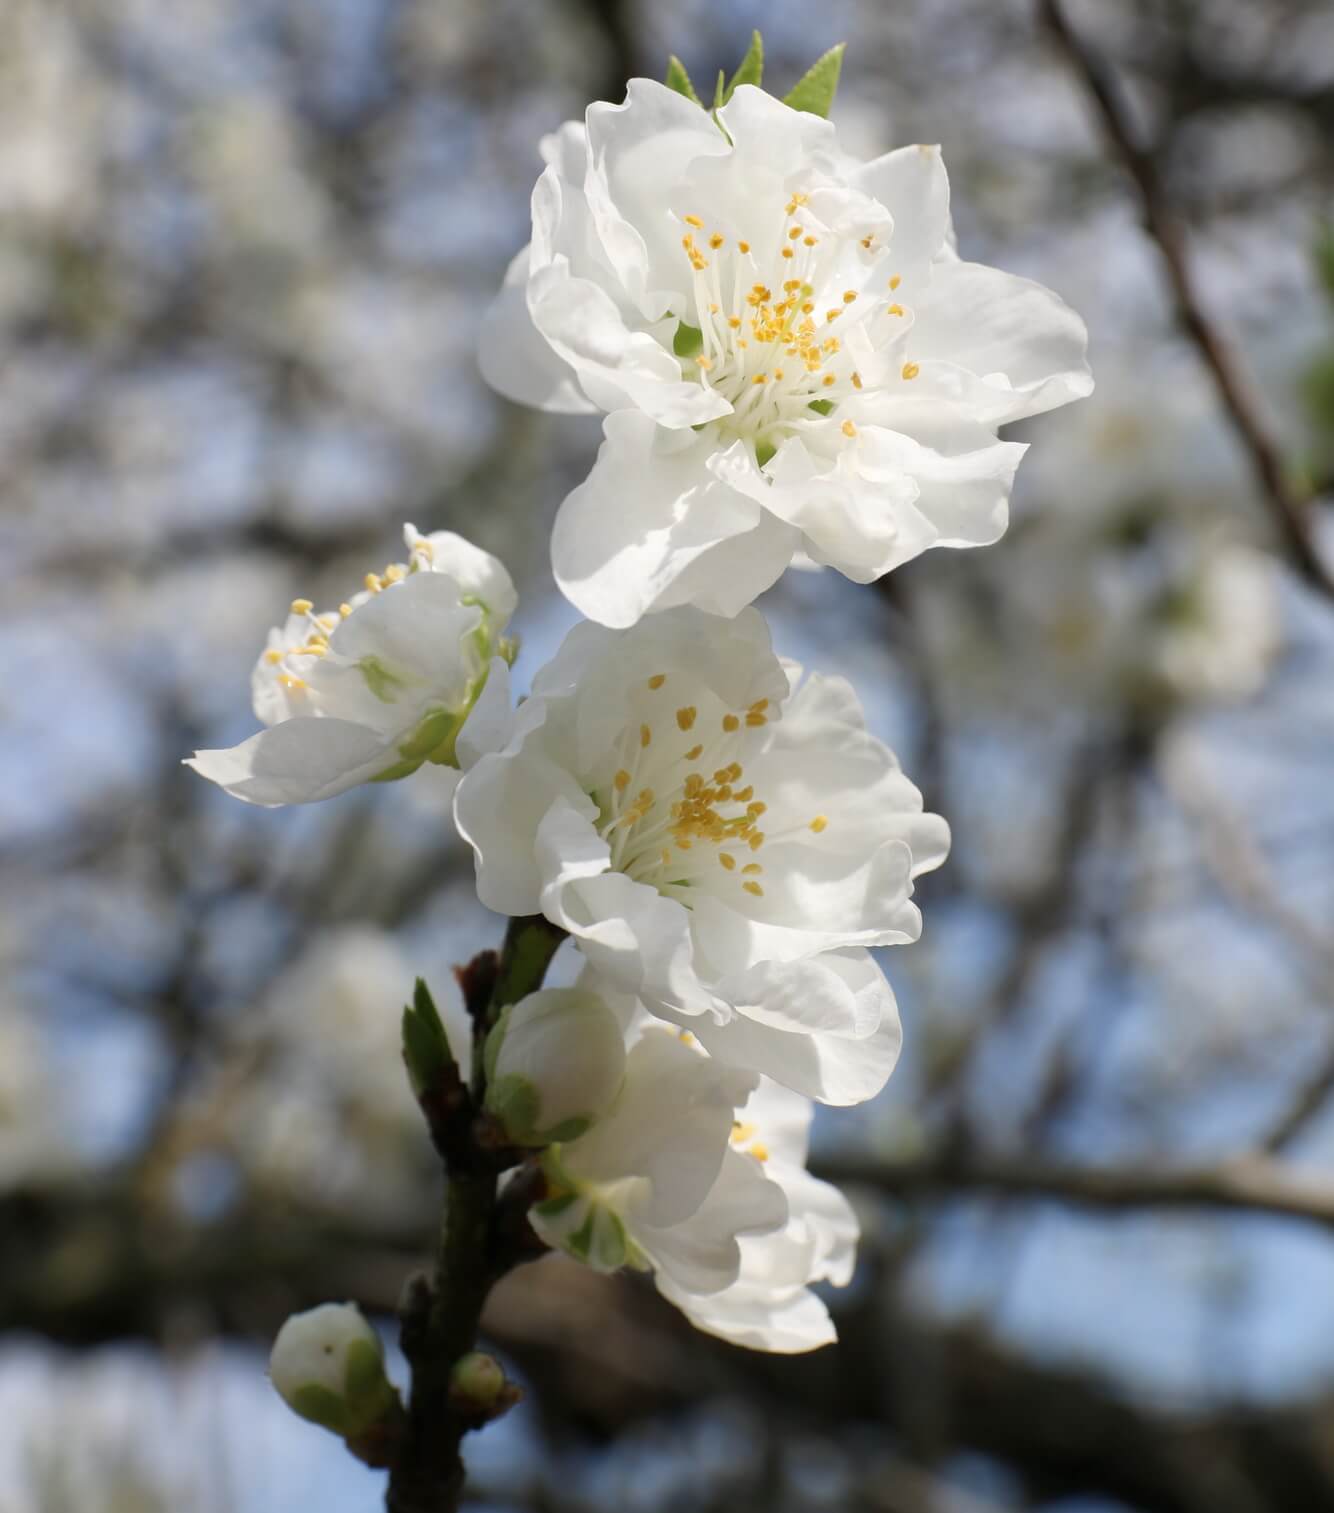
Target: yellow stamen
x,y
645,735
694,220
685,718
894,310
848,428
820,823
728,862
273,657
911,370
693,753
301,606
895,281
754,889
621,780
730,723
657,680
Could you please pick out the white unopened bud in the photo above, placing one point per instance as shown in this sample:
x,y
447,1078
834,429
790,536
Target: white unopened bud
x,y
328,1366
555,1061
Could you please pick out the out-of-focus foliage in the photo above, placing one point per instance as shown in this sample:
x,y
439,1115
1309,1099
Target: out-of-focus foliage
x,y
244,246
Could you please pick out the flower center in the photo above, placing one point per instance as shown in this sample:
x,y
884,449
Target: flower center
x,y
763,335
312,639
677,815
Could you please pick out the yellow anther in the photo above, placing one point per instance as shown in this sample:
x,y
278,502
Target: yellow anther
x,y
743,246
288,681
425,549
621,780
372,582
760,378
895,281
810,241
911,370
778,374
756,808
760,1151
645,799
829,380
704,362
734,771
849,295
313,649
273,656
754,720
694,220
685,718
685,1037
728,862
693,753
395,573
894,310
752,867
788,252
753,888
742,1131
734,321
657,680
742,794
301,606
832,315
820,823
645,735
848,428
344,610
807,308
759,706
716,241
755,840
722,775
856,380
730,723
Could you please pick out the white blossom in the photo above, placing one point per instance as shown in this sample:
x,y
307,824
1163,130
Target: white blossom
x,y
328,1366
555,1061
770,1305
371,690
721,839
792,357
657,1184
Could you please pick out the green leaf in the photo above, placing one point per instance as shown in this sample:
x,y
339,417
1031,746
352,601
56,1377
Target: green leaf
x,y
687,341
752,67
679,80
815,90
426,1052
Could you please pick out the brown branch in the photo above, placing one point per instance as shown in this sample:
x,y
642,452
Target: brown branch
x,y
1288,510
1248,1184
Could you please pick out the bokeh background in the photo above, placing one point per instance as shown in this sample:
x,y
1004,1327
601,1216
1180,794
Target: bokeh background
x,y
244,246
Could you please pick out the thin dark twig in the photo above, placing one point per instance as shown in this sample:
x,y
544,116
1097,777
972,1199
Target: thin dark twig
x,y
1288,510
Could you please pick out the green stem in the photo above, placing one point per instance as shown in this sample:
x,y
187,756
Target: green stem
x,y
428,1474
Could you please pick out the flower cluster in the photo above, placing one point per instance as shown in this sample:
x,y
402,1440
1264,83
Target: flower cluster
x,y
795,365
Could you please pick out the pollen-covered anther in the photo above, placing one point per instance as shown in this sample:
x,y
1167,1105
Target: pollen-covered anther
x,y
685,718
301,606
820,823
754,889
894,310
848,429
645,734
727,861
895,280
911,370
621,781
657,680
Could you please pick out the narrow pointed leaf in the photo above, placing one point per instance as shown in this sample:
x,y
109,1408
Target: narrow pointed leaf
x,y
679,80
815,90
751,70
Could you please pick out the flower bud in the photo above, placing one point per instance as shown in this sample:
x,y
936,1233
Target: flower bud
x,y
555,1061
328,1367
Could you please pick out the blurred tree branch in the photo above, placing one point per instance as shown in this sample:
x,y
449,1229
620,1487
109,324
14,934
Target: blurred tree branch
x,y
1290,513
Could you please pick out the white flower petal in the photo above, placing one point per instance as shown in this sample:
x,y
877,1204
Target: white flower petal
x,y
517,360
297,762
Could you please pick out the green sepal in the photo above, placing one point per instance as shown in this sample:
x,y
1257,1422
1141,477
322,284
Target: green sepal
x,y
764,451
514,1101
821,406
426,1052
551,1208
679,80
320,1406
688,340
751,70
719,90
814,92
369,1396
